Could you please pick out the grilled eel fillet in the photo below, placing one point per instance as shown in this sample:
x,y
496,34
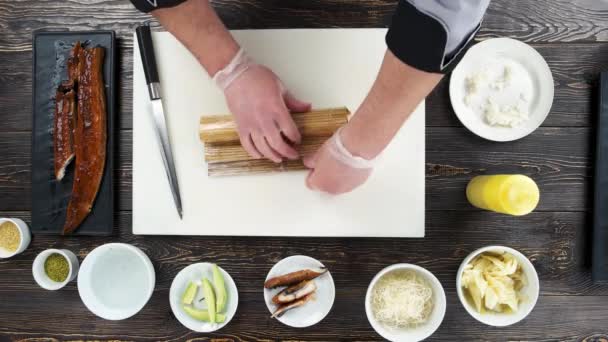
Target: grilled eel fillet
x,y
63,142
90,137
65,114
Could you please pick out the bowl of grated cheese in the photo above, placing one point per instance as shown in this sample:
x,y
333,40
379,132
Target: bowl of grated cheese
x,y
14,237
405,302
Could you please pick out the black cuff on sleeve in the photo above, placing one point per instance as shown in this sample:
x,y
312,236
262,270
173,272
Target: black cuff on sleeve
x,y
150,5
418,39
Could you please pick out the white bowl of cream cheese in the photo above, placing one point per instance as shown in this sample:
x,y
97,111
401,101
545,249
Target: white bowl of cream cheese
x,y
502,90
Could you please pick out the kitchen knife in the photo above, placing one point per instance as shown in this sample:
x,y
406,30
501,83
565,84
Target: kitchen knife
x,y
148,60
599,262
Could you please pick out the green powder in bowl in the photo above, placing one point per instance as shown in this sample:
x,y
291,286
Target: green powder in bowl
x,y
56,267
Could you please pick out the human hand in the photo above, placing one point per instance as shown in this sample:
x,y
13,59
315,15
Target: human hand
x,y
334,170
261,108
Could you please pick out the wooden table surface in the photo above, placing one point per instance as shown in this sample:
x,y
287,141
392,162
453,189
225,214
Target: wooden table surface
x,y
570,34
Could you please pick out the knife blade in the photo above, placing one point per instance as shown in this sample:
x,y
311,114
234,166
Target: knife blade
x,y
148,59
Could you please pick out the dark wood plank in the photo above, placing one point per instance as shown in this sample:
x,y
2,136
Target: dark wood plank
x,y
531,21
557,158
571,306
573,105
553,241
547,21
555,318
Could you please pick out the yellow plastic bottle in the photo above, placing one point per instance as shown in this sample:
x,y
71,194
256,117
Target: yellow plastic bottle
x,y
508,194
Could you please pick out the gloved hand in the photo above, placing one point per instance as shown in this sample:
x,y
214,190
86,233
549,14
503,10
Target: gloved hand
x,y
261,107
335,170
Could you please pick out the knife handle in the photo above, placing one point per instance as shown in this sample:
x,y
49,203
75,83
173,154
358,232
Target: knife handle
x,y
148,59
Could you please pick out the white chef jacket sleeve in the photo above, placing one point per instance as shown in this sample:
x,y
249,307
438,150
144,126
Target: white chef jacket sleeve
x,y
430,35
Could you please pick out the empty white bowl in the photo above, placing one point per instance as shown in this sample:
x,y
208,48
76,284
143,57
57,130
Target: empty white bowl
x,y
25,237
412,334
40,275
530,291
116,281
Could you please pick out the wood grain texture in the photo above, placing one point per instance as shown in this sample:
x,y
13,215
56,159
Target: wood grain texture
x,y
252,167
557,158
220,153
316,123
568,33
531,21
553,241
575,68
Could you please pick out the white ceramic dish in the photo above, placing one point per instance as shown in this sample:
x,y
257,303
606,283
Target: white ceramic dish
x,y
25,236
312,312
196,273
40,275
116,281
413,334
535,77
530,291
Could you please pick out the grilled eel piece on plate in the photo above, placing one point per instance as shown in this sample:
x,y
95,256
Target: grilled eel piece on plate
x,y
73,62
294,292
90,136
63,125
65,115
292,305
294,277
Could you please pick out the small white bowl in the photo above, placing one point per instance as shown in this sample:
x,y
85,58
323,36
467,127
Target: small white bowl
x,y
40,275
420,332
530,291
196,273
25,237
116,281
316,310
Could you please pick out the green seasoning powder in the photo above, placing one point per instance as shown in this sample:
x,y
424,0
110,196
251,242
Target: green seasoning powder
x,y
57,267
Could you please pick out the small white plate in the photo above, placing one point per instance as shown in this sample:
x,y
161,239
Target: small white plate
x,y
532,76
116,280
196,273
312,312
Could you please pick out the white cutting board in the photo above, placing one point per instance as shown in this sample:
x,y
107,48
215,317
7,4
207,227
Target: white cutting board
x,y
331,68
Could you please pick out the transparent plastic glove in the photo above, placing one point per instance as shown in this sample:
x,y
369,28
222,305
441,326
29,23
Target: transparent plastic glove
x,y
335,170
261,107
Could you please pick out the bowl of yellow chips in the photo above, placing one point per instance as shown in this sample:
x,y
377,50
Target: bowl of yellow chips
x,y
497,285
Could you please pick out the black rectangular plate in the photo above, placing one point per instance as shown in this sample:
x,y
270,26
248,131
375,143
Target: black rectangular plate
x,y
49,196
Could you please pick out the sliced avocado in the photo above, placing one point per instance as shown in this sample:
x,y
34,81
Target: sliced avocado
x,y
190,293
202,315
220,289
210,299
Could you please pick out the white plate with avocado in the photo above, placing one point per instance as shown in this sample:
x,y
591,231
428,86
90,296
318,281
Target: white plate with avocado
x,y
197,286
